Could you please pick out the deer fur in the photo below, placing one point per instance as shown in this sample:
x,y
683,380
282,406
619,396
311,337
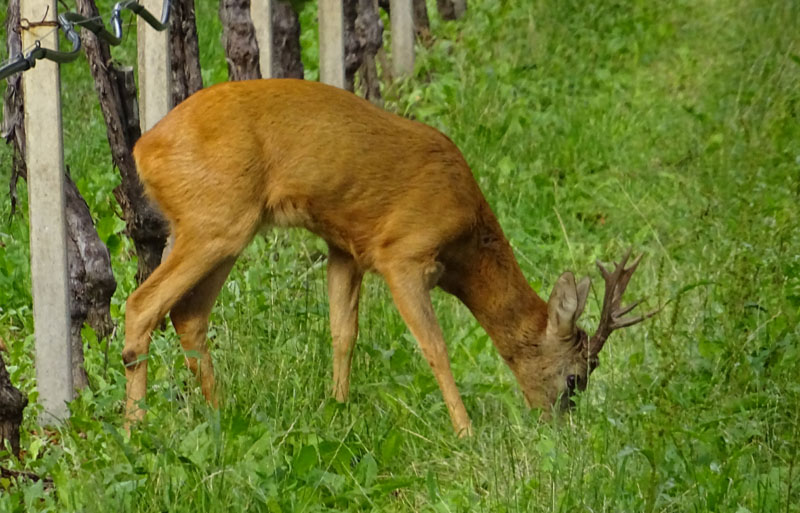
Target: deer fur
x,y
389,195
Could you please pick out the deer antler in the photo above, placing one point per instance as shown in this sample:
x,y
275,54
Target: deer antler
x,y
611,317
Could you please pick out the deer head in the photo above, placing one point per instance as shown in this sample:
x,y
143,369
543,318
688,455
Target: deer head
x,y
565,356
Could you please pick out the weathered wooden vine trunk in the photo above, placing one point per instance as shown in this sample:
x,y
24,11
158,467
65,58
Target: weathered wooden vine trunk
x,y
352,46
13,126
184,51
12,404
117,95
451,9
286,61
91,281
422,24
239,40
369,32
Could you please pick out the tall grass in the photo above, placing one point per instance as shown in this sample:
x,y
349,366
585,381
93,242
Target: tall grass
x,y
591,126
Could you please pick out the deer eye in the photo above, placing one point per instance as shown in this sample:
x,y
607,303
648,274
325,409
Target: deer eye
x,y
571,382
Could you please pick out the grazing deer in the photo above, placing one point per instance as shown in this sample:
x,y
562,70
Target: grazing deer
x,y
387,194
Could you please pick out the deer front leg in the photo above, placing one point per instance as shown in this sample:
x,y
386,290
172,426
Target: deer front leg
x,y
410,286
344,287
190,262
180,272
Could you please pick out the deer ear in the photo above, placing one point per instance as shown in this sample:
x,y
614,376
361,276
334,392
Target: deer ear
x,y
583,294
563,306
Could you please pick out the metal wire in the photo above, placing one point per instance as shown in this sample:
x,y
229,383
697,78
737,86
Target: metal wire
x,y
67,23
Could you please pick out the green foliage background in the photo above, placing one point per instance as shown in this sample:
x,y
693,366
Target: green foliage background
x,y
591,125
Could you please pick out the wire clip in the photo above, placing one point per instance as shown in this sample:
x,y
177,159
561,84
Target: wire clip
x,y
67,22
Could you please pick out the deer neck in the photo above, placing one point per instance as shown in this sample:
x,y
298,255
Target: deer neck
x,y
494,289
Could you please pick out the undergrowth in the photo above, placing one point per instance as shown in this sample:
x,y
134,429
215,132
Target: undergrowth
x,y
590,126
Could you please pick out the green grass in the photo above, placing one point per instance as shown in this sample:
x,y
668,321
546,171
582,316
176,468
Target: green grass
x,y
591,126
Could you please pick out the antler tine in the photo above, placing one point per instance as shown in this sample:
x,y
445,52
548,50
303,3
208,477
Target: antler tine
x,y
618,267
611,316
616,282
603,270
625,276
630,321
623,311
625,258
635,263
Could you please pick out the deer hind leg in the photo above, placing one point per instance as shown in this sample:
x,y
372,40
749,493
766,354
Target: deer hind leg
x,y
344,287
184,268
410,285
190,318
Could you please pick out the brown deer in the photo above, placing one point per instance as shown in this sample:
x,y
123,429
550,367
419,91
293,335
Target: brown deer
x,y
387,194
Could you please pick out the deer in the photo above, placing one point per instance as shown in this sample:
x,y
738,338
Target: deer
x,y
388,195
